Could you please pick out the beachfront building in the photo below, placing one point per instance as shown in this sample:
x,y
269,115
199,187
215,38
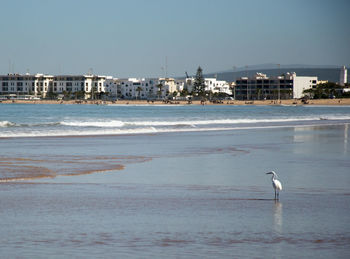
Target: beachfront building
x,y
343,76
217,86
168,87
111,87
42,85
260,86
148,88
16,84
211,85
94,86
137,88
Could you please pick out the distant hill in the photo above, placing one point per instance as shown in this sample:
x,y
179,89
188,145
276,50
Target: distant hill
x,y
331,74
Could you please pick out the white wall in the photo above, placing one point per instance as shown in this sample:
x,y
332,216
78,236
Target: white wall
x,y
301,83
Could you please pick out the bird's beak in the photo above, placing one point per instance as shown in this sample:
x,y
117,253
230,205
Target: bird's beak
x,y
269,173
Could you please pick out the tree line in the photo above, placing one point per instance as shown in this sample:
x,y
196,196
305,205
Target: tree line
x,y
327,90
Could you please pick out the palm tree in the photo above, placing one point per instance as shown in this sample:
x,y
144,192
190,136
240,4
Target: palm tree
x,y
160,87
174,94
139,89
93,92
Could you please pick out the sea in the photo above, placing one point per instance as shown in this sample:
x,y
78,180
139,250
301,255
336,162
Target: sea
x,y
148,181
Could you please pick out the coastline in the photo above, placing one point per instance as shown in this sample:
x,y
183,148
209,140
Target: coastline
x,y
345,101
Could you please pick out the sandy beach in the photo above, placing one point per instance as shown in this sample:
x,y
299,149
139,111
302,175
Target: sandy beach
x,y
182,102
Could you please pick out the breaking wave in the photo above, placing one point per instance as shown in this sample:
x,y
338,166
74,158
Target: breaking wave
x,y
4,124
101,124
193,123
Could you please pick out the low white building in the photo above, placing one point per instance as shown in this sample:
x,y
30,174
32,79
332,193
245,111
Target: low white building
x,y
217,86
148,88
211,84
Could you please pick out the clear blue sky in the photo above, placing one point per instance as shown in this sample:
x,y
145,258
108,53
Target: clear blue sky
x,y
132,38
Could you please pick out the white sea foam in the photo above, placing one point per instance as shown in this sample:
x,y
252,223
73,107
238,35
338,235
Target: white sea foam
x,y
147,130
4,124
193,123
232,121
101,124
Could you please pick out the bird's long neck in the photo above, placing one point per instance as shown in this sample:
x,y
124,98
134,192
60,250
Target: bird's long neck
x,y
273,177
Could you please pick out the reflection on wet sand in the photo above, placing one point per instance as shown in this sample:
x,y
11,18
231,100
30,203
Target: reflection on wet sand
x,y
277,217
19,168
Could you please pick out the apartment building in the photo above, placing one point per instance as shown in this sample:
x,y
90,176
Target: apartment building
x,y
260,86
41,85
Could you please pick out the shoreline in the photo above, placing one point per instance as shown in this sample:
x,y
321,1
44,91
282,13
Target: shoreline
x,y
292,102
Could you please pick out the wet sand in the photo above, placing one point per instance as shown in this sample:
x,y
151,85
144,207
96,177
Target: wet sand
x,y
178,195
46,166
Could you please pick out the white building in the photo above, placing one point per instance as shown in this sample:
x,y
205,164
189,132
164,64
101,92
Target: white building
x,y
217,86
140,88
211,84
343,76
111,86
301,83
41,85
148,88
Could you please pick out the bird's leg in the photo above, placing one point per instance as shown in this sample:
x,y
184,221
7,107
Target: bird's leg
x,y
278,195
275,194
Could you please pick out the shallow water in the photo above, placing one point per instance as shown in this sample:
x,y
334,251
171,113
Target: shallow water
x,y
179,194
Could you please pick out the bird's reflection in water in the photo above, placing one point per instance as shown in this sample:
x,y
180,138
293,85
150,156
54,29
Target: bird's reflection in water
x,y
278,217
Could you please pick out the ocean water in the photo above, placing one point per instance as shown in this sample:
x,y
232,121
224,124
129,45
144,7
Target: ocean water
x,y
173,181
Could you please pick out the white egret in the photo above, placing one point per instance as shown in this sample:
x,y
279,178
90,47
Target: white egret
x,y
276,184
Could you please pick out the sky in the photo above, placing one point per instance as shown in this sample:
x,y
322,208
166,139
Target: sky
x,y
151,38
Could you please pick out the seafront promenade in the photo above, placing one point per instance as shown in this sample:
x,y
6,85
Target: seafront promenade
x,y
344,101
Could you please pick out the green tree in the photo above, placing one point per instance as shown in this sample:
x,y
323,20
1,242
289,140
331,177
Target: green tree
x,y
198,84
184,92
38,91
174,94
324,91
51,95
